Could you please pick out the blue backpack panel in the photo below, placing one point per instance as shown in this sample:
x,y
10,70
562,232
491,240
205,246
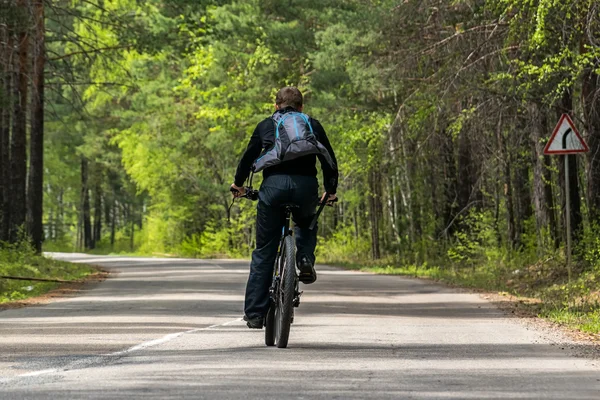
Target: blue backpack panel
x,y
294,138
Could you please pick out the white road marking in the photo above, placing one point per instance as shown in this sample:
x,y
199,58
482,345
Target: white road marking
x,y
167,338
141,346
42,372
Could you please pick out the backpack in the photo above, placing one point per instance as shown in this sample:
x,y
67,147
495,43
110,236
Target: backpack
x,y
294,138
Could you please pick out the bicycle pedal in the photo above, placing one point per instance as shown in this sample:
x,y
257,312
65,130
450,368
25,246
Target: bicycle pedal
x,y
297,299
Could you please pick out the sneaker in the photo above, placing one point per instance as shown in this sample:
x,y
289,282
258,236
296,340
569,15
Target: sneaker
x,y
254,323
307,273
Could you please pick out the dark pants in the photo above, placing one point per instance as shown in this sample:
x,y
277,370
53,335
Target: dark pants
x,y
275,191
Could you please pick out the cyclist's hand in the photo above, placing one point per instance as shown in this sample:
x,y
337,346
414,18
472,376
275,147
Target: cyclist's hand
x,y
332,198
237,191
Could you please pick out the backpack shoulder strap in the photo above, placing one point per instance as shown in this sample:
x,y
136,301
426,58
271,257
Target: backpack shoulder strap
x,y
277,123
307,120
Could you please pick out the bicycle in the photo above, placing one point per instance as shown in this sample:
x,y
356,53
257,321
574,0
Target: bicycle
x,y
284,291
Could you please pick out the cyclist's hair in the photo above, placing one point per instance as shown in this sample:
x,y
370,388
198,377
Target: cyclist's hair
x,y
289,96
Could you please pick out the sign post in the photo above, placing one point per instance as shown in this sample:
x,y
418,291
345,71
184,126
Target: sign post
x,y
566,140
568,214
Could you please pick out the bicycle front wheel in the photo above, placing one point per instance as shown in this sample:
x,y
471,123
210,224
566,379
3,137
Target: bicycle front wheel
x,y
285,297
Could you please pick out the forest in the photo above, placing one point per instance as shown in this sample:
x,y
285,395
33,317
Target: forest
x,y
122,122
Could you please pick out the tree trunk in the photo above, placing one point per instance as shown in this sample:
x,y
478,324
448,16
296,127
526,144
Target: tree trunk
x,y
113,216
566,106
97,213
356,224
554,220
60,215
85,205
591,106
543,200
505,158
132,238
392,207
404,185
466,174
497,197
336,217
374,206
108,202
79,243
523,194
35,196
510,207
18,209
5,102
51,226
450,184
590,93
413,182
437,184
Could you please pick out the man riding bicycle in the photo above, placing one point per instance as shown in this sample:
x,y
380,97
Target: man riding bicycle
x,y
286,181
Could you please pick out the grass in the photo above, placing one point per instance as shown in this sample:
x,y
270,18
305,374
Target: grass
x,y
588,322
20,260
471,278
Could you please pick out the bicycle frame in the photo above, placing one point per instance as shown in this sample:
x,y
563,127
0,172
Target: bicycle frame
x,y
286,230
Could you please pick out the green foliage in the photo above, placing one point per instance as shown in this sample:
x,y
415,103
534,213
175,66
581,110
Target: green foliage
x,y
476,243
589,248
342,247
179,122
427,104
210,243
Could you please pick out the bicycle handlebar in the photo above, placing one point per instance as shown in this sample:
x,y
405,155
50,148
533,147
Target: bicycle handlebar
x,y
322,204
250,193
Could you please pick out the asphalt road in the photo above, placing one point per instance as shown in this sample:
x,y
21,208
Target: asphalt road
x,y
171,329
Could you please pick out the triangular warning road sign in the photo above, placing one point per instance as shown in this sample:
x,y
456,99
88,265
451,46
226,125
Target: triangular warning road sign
x,y
566,139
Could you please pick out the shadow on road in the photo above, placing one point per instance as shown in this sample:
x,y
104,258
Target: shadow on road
x,y
402,373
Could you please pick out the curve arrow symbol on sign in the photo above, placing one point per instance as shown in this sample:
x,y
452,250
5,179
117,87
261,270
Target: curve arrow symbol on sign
x,y
564,139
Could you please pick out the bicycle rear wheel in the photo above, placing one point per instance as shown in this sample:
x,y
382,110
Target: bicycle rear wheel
x,y
285,297
270,326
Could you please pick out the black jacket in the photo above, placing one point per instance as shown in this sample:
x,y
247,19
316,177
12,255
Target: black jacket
x,y
263,139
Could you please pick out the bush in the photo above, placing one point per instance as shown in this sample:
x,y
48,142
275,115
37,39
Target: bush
x,y
213,243
343,246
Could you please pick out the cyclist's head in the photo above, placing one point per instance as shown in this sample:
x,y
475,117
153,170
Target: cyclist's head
x,y
289,96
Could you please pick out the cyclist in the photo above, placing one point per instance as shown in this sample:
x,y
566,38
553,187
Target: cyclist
x,y
293,181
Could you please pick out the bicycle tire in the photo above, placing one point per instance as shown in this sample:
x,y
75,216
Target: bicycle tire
x,y
270,326
287,285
